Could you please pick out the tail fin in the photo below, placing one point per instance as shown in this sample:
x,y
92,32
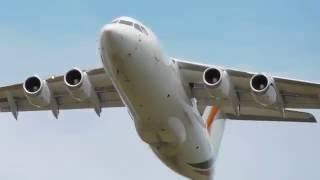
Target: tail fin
x,y
215,126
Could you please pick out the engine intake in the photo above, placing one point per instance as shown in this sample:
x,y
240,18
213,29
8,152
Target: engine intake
x,y
217,83
263,91
32,85
212,77
37,91
74,78
79,85
260,83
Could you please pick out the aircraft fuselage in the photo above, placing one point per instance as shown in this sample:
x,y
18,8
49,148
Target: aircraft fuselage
x,y
150,86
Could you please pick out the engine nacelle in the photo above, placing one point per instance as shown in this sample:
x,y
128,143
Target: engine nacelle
x,y
263,90
79,85
37,91
217,82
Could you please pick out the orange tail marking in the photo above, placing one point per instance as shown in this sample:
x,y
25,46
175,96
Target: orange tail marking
x,y
213,113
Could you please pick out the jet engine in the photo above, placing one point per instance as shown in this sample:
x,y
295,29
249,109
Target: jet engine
x,y
79,85
263,90
37,91
217,82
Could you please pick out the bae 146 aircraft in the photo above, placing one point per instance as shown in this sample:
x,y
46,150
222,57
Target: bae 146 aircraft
x,y
179,108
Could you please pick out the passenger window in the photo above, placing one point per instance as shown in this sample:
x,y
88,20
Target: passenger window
x,y
144,30
126,22
136,26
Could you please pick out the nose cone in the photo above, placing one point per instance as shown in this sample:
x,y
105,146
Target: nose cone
x,y
113,39
117,40
109,36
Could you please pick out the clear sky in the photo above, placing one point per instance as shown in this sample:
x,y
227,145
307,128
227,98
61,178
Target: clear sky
x,y
280,37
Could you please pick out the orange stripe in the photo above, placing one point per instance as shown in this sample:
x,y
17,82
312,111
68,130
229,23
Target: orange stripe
x,y
204,173
213,113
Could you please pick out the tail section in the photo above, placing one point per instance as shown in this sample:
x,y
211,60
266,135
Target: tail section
x,y
215,126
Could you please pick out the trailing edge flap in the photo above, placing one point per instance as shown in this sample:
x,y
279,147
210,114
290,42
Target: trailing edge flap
x,y
287,116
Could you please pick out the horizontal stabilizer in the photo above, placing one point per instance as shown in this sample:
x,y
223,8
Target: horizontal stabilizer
x,y
288,116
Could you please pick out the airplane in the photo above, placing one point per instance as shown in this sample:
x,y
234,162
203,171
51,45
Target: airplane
x,y
179,107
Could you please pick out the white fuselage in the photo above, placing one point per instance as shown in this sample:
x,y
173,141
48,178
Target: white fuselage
x,y
150,86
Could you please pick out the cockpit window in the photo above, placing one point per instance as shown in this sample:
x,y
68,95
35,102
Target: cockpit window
x,y
144,30
137,26
126,22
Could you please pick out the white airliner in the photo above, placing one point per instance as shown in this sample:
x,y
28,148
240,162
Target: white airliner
x,y
179,108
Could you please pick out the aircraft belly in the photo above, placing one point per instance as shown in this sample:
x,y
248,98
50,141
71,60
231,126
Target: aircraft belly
x,y
166,122
149,97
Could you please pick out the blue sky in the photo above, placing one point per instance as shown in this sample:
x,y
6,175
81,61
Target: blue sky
x,y
277,37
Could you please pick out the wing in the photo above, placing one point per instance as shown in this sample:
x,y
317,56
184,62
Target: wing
x,y
291,93
98,88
